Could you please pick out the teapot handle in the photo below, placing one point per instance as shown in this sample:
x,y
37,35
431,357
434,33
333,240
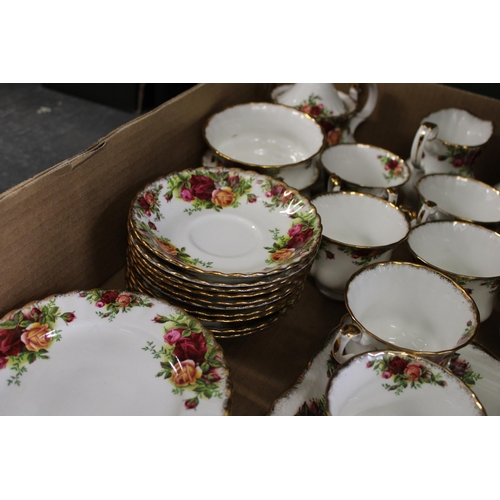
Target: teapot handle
x,y
367,109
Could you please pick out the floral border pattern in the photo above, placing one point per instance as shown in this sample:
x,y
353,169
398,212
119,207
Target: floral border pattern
x,y
188,359
27,336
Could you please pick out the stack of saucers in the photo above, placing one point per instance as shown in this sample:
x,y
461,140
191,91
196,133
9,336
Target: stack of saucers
x,y
231,247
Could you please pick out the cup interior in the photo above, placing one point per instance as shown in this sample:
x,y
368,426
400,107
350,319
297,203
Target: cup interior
x,y
264,134
372,384
460,127
457,247
410,306
462,197
365,165
360,219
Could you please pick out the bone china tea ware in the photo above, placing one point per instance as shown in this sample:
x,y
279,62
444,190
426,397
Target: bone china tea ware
x,y
265,137
467,253
453,197
337,113
358,229
389,383
449,141
406,307
365,168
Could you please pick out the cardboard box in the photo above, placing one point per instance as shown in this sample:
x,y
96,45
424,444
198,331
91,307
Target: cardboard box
x,y
65,229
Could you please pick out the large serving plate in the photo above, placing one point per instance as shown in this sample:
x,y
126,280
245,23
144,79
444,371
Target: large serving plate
x,y
107,352
226,224
307,397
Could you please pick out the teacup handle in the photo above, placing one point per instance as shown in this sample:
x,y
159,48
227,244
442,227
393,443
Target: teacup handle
x,y
427,209
426,132
343,336
334,183
367,109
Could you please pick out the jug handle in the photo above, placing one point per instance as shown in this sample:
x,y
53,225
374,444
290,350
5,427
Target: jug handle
x,y
426,132
367,109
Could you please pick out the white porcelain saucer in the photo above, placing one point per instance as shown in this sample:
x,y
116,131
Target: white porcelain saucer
x,y
109,352
307,397
226,223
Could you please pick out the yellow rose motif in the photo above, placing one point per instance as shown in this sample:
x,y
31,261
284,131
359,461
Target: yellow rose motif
x,y
185,373
37,337
223,197
123,300
282,254
167,247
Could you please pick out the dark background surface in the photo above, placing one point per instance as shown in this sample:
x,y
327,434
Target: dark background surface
x,y
44,124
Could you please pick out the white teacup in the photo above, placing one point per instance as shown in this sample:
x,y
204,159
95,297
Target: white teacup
x,y
453,197
389,383
267,138
449,141
358,229
366,169
406,307
467,253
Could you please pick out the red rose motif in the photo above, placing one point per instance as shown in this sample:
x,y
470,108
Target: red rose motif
x,y
300,239
187,195
316,110
202,187
143,203
386,374
109,297
391,165
151,225
233,181
3,363
173,335
193,347
252,198
191,404
458,162
10,342
397,365
68,317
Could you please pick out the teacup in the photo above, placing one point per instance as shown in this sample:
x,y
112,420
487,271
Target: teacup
x,y
267,138
453,197
358,229
339,114
389,383
450,141
407,307
366,169
467,253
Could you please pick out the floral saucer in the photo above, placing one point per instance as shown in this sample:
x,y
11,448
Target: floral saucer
x,y
109,352
307,397
226,223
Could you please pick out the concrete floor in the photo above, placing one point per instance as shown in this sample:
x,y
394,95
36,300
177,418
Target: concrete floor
x,y
40,127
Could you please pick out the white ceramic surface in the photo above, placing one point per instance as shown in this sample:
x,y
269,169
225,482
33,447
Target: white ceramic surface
x,y
264,135
226,223
468,253
358,229
409,307
300,179
338,113
365,168
389,383
450,141
460,198
107,352
307,397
